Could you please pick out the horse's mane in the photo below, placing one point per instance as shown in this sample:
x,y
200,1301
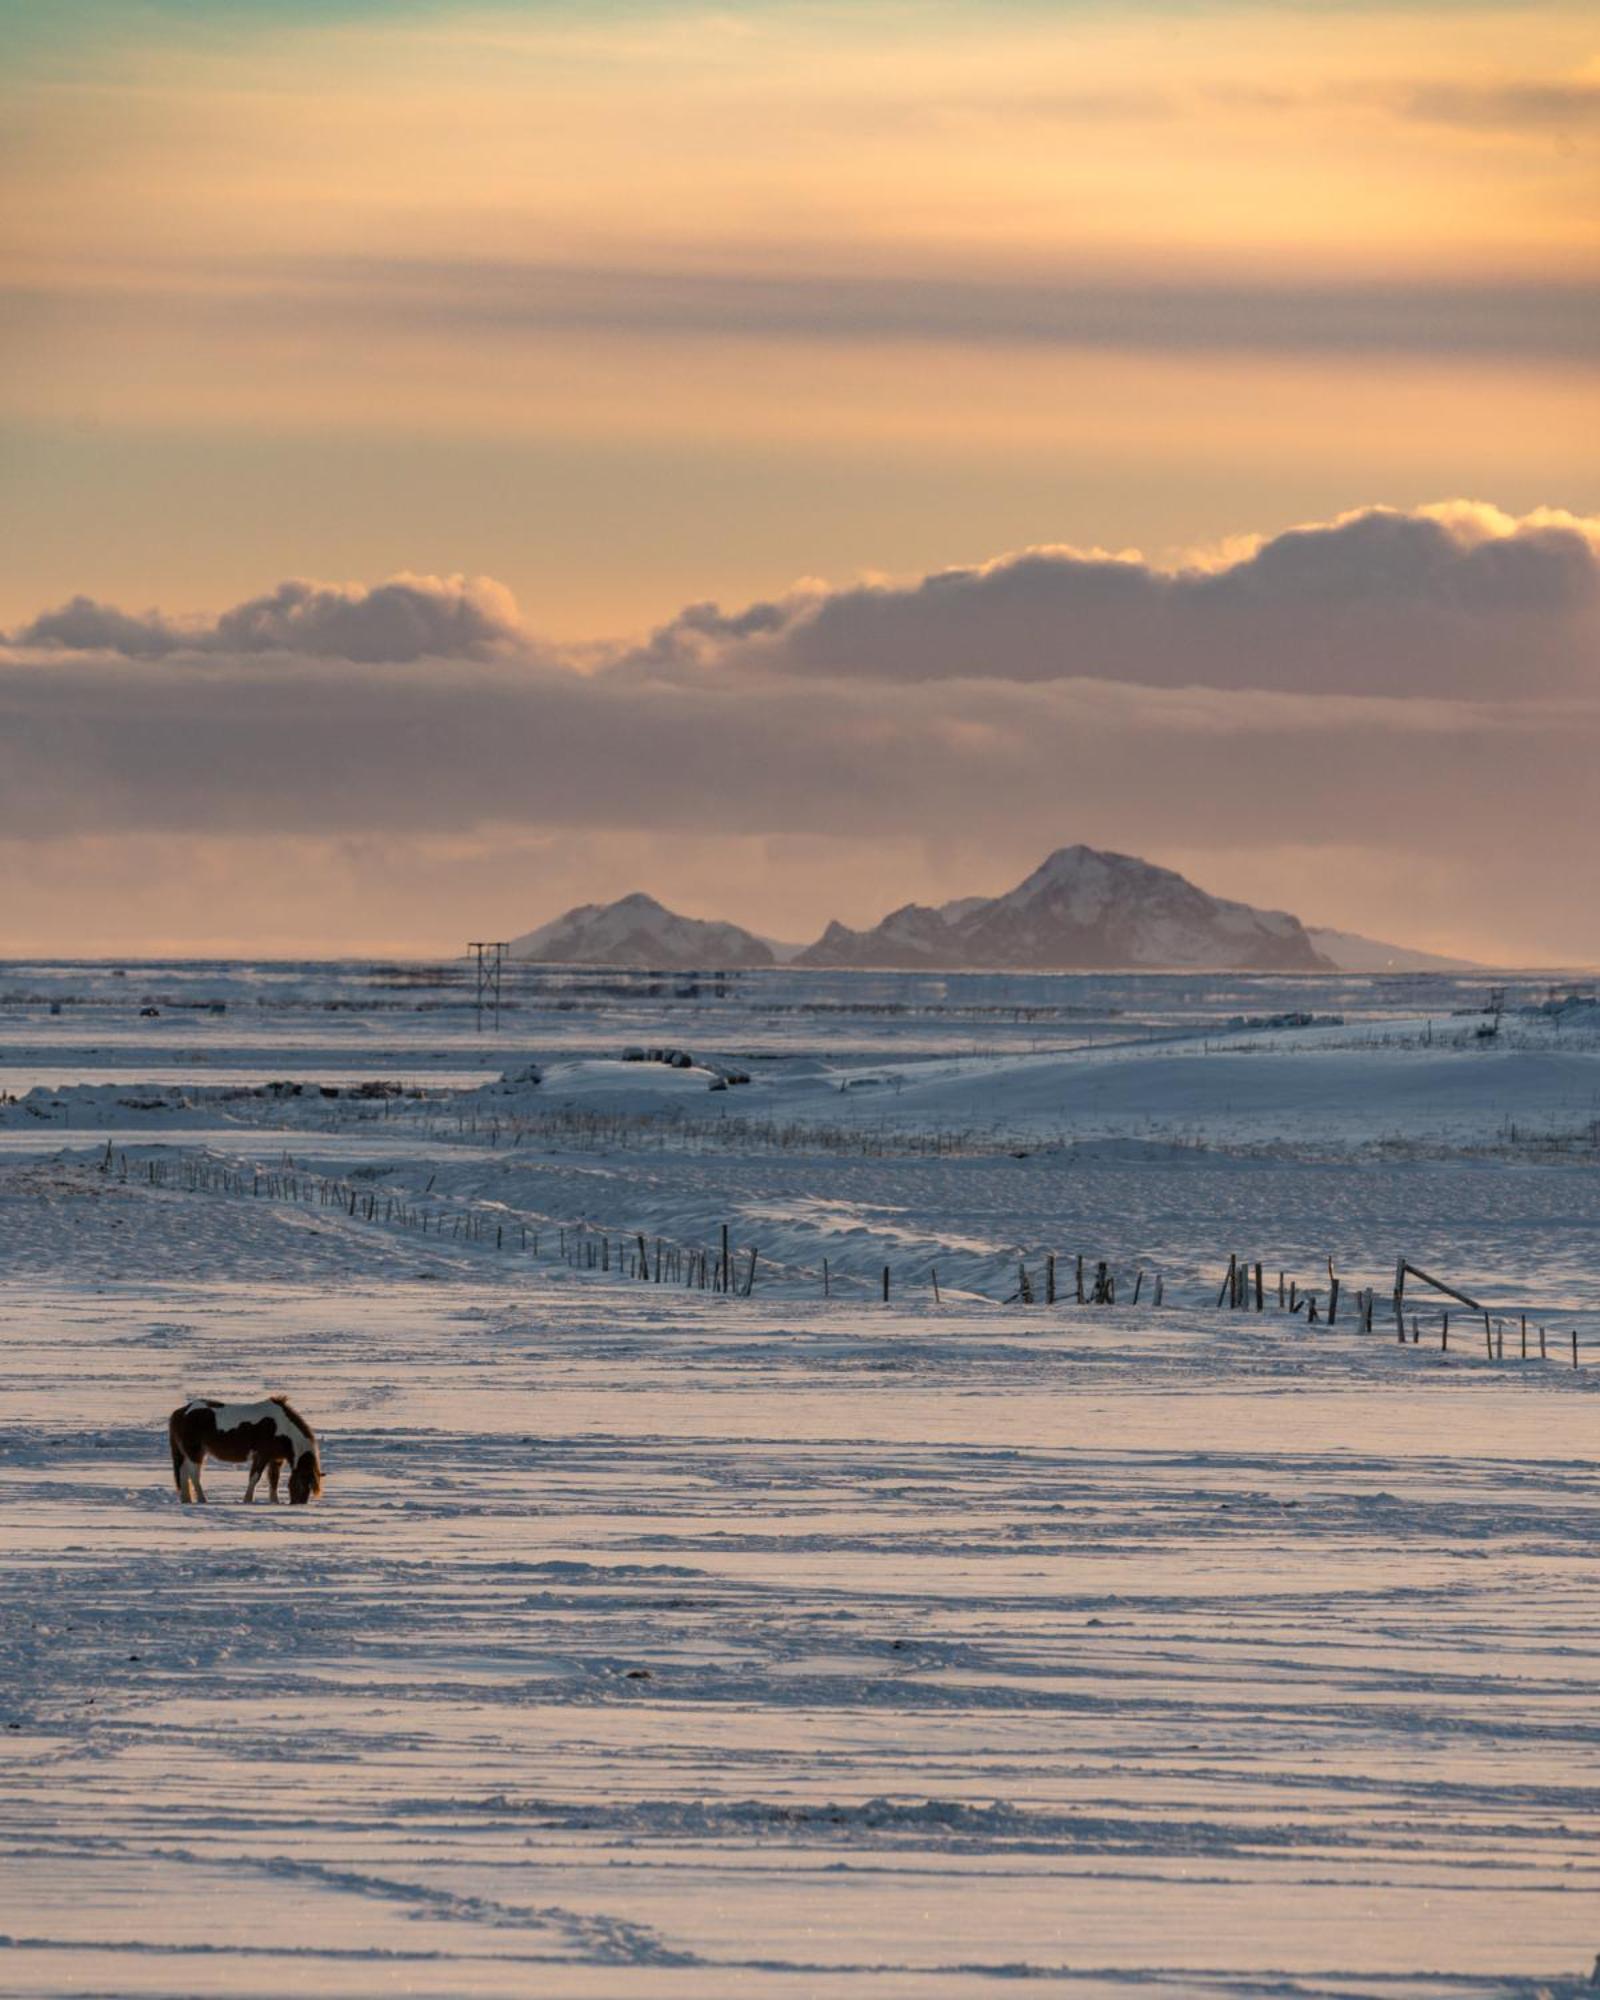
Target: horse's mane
x,y
293,1415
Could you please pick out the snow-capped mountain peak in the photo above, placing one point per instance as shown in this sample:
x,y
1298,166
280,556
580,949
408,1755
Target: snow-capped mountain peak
x,y
636,930
1081,909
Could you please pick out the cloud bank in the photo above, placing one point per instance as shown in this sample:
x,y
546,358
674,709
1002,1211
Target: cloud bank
x,y
1421,683
1454,600
1458,600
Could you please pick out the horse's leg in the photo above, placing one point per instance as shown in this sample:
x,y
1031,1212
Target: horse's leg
x,y
194,1477
256,1466
274,1467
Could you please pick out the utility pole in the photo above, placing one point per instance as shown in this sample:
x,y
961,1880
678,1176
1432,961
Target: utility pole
x,y
490,957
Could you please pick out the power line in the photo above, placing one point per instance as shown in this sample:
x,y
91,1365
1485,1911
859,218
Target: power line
x,y
490,956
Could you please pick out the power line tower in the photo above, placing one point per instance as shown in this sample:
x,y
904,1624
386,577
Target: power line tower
x,y
490,958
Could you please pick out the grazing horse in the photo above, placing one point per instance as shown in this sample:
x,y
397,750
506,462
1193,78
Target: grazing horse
x,y
270,1434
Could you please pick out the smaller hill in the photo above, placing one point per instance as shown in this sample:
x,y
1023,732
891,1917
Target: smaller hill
x,y
639,932
1350,952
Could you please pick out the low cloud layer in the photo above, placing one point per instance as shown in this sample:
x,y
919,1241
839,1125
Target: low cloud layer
x,y
1419,684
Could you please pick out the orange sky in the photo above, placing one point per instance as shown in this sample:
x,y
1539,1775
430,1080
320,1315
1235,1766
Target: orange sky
x,y
634,306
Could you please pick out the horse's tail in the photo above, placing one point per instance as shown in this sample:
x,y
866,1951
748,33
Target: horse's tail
x,y
174,1438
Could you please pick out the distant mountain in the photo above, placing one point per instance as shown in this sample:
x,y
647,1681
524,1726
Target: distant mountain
x,y
639,932
1081,910
1350,952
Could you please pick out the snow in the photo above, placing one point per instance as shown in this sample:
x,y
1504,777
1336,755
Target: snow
x,y
651,1642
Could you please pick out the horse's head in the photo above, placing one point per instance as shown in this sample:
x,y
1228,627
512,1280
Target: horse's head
x,y
305,1468
305,1478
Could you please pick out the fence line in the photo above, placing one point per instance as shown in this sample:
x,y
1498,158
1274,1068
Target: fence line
x,y
728,1268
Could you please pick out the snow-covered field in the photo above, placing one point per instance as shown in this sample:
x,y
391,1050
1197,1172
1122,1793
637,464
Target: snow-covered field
x,y
654,1642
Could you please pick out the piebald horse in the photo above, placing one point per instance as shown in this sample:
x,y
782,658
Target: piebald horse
x,y
270,1434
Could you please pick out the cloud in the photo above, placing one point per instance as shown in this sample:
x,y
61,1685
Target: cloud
x,y
1561,108
82,625
408,618
1455,600
484,299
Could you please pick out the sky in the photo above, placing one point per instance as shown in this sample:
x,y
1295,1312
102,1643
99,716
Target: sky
x,y
457,461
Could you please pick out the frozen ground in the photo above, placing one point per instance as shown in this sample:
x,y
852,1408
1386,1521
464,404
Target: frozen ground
x,y
654,1643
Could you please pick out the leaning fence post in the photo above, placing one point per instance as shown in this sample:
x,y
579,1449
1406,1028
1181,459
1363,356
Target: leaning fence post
x,y
886,1284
